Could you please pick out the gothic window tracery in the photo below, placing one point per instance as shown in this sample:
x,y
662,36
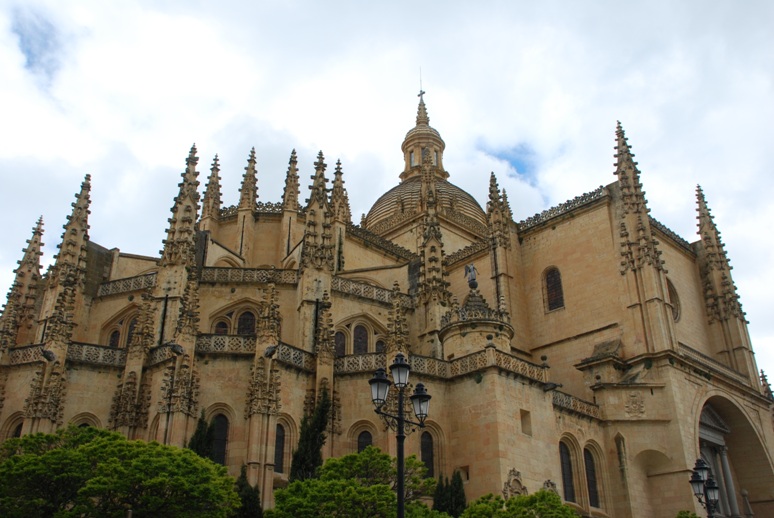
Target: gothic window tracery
x,y
427,452
568,484
120,331
360,340
279,449
221,327
340,344
246,323
364,440
553,289
591,477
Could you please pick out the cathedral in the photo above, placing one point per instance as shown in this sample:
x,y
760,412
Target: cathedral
x,y
588,350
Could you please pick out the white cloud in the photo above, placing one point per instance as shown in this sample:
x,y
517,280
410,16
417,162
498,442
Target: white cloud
x,y
137,83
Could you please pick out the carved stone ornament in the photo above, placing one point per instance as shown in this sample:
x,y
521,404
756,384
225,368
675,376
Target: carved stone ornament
x,y
550,485
513,486
635,405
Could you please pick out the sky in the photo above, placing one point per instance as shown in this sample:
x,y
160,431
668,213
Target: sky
x,y
529,90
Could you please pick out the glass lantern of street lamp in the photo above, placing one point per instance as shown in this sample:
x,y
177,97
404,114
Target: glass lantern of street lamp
x,y
711,491
702,469
420,400
697,484
380,385
400,371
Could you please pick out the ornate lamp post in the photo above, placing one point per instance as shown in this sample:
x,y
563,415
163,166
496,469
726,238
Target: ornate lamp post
x,y
705,488
420,400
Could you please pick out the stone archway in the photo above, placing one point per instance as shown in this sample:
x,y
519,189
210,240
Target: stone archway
x,y
733,448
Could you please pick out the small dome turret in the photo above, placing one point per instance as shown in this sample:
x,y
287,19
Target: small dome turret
x,y
422,139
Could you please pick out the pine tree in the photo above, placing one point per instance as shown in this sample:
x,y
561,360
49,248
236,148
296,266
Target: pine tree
x,y
250,497
308,456
456,492
201,440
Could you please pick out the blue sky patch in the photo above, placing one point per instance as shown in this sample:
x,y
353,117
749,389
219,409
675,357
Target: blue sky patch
x,y
38,41
522,158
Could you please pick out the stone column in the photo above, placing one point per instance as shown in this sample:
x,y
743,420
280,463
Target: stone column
x,y
730,491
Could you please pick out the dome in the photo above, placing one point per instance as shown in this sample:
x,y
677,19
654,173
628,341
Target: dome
x,y
402,202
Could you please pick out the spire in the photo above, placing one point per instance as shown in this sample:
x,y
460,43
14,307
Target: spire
x,y
319,194
19,308
498,214
628,174
506,205
422,118
339,197
248,193
212,197
179,246
290,194
720,292
72,249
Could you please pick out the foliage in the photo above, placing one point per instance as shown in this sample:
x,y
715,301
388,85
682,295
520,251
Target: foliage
x,y
449,497
308,456
686,514
250,496
88,472
201,440
542,504
360,484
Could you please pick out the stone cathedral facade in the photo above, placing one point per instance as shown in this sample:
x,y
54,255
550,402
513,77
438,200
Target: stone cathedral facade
x,y
587,349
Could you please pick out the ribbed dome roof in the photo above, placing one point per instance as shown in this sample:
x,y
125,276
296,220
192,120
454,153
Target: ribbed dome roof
x,y
403,199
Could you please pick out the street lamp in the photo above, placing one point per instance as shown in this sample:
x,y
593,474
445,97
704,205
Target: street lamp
x,y
420,401
705,488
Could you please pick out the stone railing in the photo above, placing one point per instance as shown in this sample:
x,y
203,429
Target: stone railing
x,y
139,282
160,354
427,366
229,344
227,212
579,201
671,233
521,367
267,206
378,241
367,291
576,405
359,363
96,354
25,354
466,252
467,364
712,364
295,357
472,314
249,275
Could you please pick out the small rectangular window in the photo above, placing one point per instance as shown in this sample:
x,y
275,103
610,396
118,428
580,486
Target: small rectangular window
x,y
526,422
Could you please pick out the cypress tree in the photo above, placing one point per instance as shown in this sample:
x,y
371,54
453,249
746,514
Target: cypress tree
x,y
456,492
308,456
250,497
201,440
439,497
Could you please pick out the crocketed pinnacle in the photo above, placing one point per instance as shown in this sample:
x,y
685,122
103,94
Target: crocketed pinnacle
x,y
628,174
248,193
710,235
319,194
212,197
290,194
72,249
179,245
339,197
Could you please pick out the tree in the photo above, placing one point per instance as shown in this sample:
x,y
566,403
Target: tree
x,y
89,472
456,498
250,496
201,440
308,456
542,504
358,485
441,495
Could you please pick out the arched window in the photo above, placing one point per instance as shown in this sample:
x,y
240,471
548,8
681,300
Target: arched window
x,y
221,328
427,453
554,292
18,430
567,482
380,348
340,344
360,343
115,338
246,323
219,438
591,477
364,440
279,449
674,300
